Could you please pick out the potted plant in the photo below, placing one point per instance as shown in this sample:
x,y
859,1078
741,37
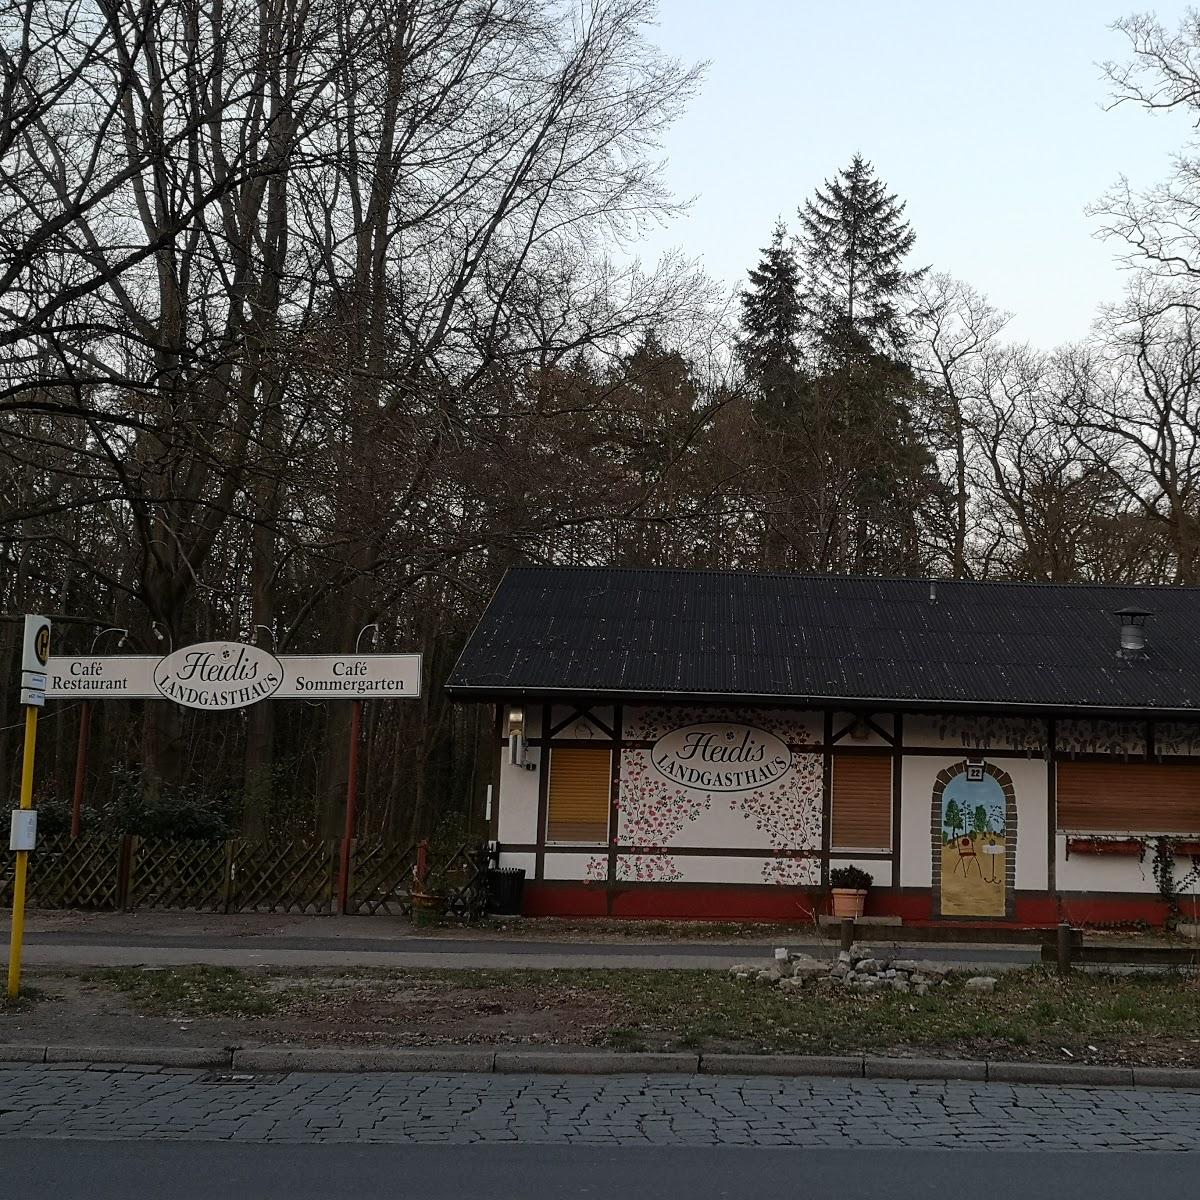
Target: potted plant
x,y
849,886
428,904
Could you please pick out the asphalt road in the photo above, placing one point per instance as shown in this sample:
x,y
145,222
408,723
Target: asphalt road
x,y
99,1170
77,947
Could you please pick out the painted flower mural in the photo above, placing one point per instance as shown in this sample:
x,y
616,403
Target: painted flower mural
x,y
708,757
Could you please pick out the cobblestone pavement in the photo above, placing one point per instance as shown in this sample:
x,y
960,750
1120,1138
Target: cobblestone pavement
x,y
116,1104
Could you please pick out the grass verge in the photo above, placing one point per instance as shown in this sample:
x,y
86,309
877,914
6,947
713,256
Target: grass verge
x,y
1149,1018
200,991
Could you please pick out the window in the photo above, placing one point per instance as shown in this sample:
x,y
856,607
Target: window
x,y
862,802
580,781
1097,797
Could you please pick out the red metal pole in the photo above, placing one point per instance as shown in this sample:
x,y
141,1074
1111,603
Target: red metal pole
x,y
351,807
85,735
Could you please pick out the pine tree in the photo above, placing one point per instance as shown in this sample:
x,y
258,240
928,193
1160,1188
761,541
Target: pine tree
x,y
853,242
772,322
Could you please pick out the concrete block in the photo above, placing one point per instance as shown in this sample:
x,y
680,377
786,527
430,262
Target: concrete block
x,y
924,1068
590,1062
20,1052
363,1058
150,1056
1166,1077
781,1064
1059,1073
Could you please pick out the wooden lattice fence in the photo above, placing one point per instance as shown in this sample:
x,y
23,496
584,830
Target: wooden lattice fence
x,y
178,874
81,873
381,877
462,879
101,872
283,877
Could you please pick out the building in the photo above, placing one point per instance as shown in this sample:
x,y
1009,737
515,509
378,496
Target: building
x,y
710,743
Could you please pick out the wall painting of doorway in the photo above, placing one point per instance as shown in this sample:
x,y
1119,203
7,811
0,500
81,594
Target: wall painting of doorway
x,y
974,841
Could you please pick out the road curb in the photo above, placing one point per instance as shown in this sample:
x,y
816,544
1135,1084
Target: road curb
x,y
1078,1076
159,1056
782,1064
925,1068
415,1059
586,1062
506,1060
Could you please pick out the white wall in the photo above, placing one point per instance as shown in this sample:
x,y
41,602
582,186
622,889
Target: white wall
x,y
885,721
879,869
518,799
522,859
698,868
916,805
1029,783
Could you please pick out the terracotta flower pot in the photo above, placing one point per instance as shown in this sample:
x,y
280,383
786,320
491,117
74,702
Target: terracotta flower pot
x,y
848,902
426,908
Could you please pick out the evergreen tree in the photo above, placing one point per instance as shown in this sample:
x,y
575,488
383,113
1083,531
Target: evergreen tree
x,y
853,243
953,819
772,322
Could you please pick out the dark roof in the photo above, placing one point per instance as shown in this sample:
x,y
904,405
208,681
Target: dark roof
x,y
663,633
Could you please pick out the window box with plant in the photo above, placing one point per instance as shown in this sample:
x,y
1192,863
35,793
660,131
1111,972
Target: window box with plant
x,y
849,887
1091,844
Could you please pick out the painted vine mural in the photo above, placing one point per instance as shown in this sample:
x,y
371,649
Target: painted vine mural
x,y
655,809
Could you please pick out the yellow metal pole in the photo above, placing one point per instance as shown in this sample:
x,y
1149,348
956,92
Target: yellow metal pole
x,y
18,917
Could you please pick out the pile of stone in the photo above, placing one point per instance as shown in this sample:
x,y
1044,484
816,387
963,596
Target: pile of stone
x,y
859,969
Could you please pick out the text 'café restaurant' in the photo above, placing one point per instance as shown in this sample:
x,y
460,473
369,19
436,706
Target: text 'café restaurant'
x,y
713,743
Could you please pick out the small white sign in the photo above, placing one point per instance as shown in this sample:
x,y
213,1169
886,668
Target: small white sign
x,y
111,677
34,682
22,833
350,677
35,650
33,698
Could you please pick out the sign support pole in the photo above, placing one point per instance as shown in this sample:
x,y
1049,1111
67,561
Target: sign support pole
x,y
16,938
35,657
81,756
351,807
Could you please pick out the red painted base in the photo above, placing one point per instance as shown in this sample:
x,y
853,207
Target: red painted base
x,y
735,903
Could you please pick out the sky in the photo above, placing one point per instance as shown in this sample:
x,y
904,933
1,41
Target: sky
x,y
987,119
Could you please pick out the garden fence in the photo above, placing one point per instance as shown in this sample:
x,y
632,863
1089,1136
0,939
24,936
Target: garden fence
x,y
102,872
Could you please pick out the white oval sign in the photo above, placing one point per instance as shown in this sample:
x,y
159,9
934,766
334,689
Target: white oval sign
x,y
217,675
715,756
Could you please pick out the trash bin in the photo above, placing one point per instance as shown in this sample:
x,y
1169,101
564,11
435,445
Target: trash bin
x,y
505,886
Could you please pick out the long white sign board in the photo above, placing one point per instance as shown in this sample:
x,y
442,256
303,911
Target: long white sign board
x,y
223,675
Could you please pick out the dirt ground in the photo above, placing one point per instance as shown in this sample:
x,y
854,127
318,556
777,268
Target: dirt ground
x,y
383,927
68,1008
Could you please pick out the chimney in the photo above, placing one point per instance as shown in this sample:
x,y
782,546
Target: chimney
x,y
933,591
1133,631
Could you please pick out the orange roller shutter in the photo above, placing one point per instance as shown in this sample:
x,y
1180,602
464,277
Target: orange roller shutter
x,y
1129,797
580,781
862,802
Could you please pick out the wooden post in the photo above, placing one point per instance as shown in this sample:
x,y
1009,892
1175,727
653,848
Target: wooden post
x,y
81,755
1064,948
228,884
422,862
847,932
351,807
126,853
